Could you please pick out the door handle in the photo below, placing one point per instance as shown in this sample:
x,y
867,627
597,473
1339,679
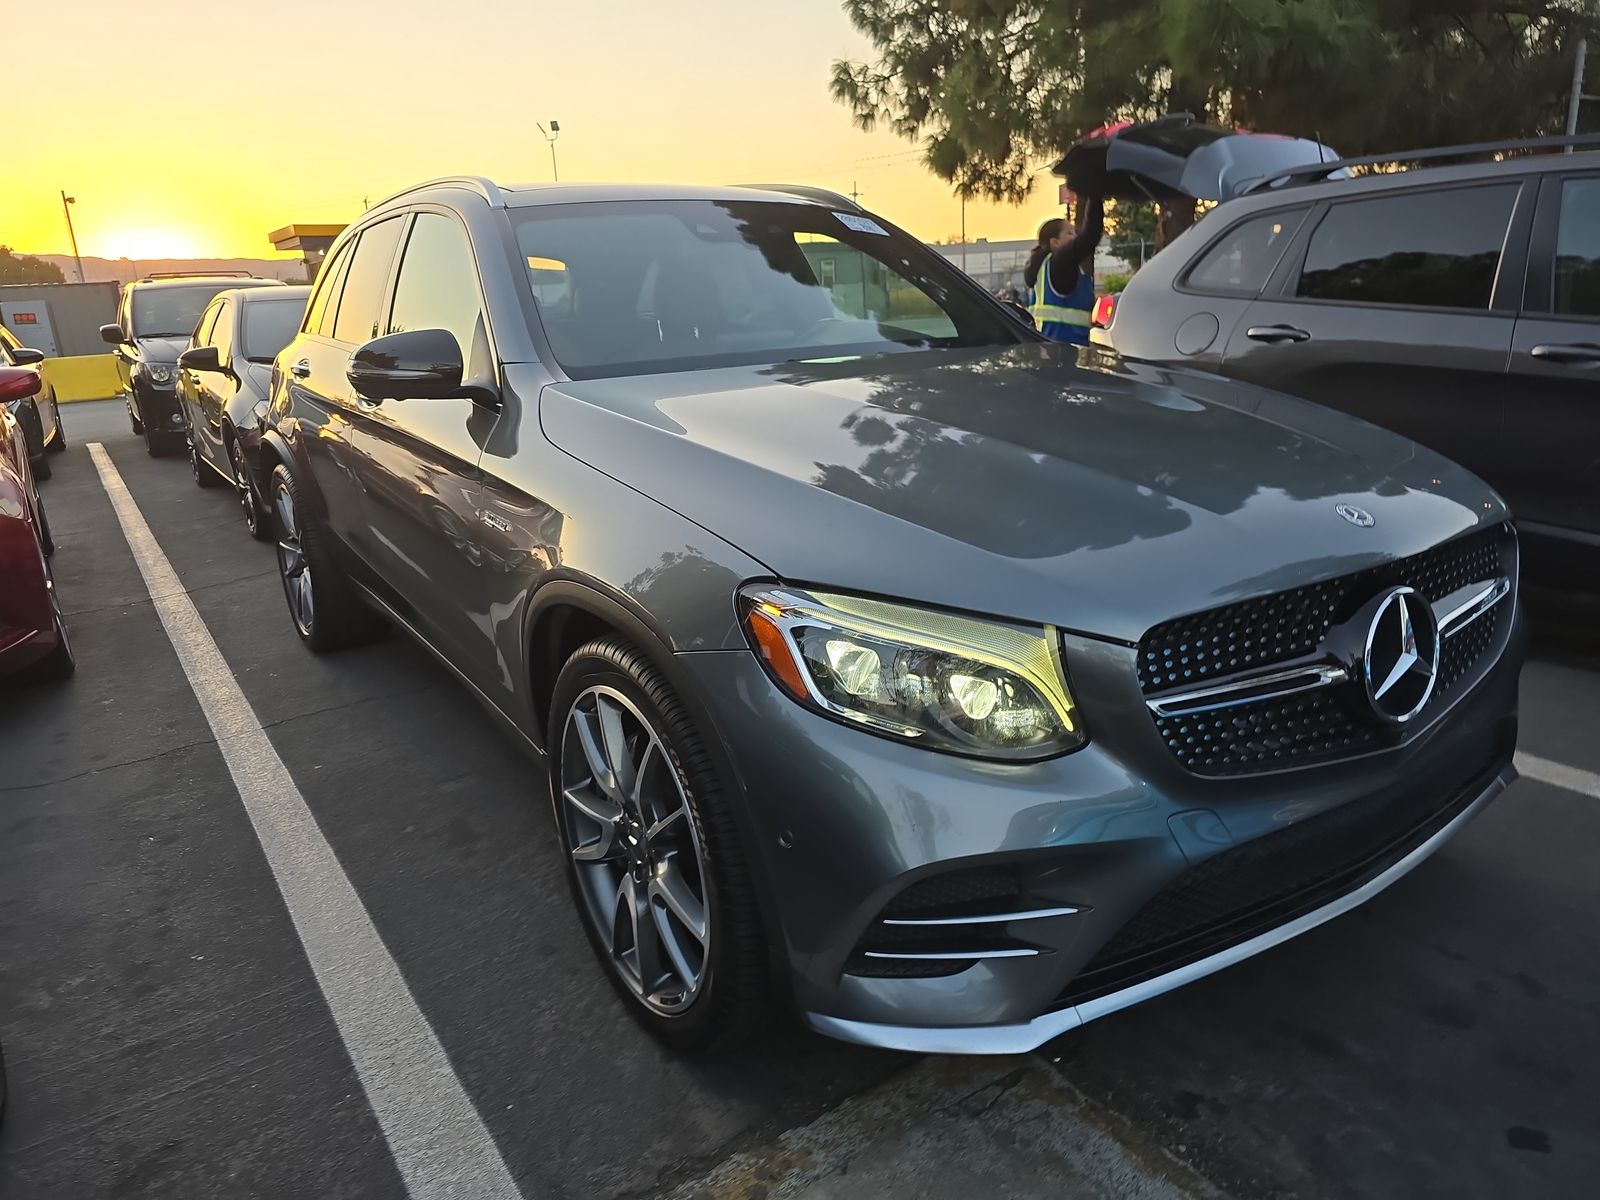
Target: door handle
x,y
301,369
1272,334
1576,355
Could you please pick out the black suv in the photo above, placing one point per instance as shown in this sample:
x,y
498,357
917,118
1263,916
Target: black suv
x,y
154,321
1455,302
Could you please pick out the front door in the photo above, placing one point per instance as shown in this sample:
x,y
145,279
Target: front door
x,y
418,459
1553,440
212,388
341,317
1394,316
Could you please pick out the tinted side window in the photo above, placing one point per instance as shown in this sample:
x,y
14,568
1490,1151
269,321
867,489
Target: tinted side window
x,y
438,286
208,322
222,334
328,280
1247,254
1577,274
1427,249
357,321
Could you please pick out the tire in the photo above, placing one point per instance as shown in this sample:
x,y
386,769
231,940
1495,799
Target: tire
x,y
327,611
256,521
159,445
58,446
138,425
204,476
59,664
729,999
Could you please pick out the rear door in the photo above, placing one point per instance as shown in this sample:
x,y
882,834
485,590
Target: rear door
x,y
342,316
418,460
1552,443
1399,309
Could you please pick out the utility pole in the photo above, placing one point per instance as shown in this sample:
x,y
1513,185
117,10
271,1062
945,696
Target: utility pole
x,y
1577,89
963,233
550,136
855,192
72,235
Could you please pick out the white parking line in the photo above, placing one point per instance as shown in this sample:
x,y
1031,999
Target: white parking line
x,y
437,1138
1559,774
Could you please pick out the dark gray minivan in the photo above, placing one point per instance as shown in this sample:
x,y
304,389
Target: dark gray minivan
x,y
1456,304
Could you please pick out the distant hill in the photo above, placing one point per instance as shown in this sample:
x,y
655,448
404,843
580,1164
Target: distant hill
x,y
122,270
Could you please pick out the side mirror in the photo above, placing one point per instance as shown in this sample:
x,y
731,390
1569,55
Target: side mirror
x,y
200,358
25,357
112,334
420,364
18,383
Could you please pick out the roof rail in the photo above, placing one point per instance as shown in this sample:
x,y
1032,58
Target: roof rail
x,y
197,275
476,183
805,192
1316,172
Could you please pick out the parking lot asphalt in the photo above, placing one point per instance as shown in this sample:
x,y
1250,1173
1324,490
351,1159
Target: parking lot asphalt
x,y
166,1036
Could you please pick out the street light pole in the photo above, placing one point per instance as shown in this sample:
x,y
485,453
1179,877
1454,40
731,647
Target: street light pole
x,y
963,232
550,136
1576,102
72,235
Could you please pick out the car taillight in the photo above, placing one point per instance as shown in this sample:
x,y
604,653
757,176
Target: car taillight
x,y
1105,311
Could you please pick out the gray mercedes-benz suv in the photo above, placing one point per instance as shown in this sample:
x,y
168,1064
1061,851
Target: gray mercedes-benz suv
x,y
884,659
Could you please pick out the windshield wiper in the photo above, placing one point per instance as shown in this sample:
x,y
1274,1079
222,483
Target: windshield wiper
x,y
163,333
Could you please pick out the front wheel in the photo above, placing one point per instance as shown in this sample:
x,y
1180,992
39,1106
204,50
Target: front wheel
x,y
654,857
328,613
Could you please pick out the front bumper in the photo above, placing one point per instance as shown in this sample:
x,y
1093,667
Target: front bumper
x,y
157,407
844,823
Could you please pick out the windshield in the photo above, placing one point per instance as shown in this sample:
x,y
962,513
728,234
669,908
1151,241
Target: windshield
x,y
632,287
172,311
270,325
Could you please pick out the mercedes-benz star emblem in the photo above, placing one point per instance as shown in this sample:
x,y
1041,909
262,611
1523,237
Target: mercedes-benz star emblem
x,y
1356,516
1401,662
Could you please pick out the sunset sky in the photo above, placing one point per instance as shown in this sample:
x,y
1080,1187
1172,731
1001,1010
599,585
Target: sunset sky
x,y
193,129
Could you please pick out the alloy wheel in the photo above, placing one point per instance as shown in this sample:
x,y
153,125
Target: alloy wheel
x,y
242,488
292,564
635,849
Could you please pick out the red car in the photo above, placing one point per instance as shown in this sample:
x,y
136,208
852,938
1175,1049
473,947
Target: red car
x,y
33,635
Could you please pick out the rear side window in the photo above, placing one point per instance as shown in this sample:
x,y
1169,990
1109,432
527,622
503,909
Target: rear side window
x,y
328,280
1246,255
1423,249
364,283
1577,274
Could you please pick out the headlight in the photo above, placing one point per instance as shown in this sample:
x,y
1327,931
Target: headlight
x,y
158,372
948,682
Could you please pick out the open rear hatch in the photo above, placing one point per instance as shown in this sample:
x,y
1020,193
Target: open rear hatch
x,y
1178,157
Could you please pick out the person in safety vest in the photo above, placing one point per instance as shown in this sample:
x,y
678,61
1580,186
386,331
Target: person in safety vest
x,y
1060,278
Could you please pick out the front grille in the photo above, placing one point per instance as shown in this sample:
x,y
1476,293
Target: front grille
x,y
1322,725
1271,880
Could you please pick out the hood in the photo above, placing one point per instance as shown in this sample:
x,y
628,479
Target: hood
x,y
1101,498
161,349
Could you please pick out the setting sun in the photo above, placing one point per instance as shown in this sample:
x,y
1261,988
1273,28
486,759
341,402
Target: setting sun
x,y
148,243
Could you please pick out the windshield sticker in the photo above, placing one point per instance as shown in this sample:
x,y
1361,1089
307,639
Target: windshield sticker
x,y
861,224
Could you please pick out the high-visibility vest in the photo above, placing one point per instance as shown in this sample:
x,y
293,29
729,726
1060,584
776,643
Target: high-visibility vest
x,y
1063,318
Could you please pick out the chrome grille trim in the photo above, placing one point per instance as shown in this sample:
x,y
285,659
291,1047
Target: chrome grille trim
x,y
1248,689
1465,605
951,956
1036,914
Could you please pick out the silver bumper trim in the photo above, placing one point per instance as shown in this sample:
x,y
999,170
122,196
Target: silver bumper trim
x,y
1033,914
1029,1035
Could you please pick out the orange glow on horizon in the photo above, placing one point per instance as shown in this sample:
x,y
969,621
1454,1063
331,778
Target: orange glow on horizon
x,y
137,244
